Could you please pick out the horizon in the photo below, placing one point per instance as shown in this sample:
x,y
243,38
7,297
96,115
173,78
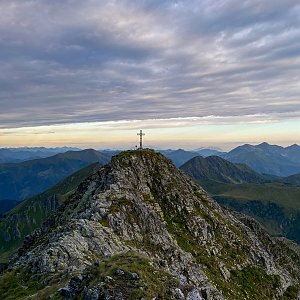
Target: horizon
x,y
202,73
72,148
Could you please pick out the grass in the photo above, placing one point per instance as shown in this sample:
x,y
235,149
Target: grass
x,y
18,284
152,281
283,195
292,292
275,205
254,283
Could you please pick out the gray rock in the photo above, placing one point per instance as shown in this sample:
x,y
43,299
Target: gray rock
x,y
135,276
74,286
194,295
224,271
179,294
92,294
120,272
108,279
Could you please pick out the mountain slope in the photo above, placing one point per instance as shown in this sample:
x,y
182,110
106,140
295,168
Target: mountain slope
x,y
23,180
140,228
218,169
31,213
267,159
293,179
274,204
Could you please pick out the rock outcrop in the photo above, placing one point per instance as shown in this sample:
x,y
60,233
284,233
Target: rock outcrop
x,y
141,229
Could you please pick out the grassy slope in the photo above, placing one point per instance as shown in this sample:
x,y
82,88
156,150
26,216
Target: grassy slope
x,y
218,169
31,213
287,197
275,205
293,179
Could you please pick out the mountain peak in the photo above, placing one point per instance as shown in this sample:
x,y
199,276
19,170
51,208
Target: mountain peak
x,y
264,144
267,146
140,222
142,158
293,147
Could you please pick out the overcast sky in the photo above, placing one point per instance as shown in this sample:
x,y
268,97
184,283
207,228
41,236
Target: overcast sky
x,y
212,64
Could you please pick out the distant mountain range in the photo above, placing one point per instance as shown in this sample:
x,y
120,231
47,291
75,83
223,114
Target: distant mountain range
x,y
263,158
13,155
210,152
268,159
19,181
179,156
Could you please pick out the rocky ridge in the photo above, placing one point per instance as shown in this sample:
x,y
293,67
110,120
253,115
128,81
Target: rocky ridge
x,y
141,229
31,213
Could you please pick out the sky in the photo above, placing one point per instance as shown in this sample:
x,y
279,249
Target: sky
x,y
191,73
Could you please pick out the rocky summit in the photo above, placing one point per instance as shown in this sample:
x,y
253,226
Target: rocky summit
x,y
139,228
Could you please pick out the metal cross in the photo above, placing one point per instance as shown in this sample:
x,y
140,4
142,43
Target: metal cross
x,y
141,138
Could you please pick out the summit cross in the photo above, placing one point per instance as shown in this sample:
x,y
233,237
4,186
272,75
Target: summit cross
x,y
141,138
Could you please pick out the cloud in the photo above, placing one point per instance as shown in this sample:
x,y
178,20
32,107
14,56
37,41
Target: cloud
x,y
99,61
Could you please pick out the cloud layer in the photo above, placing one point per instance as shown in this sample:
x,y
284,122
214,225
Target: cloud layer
x,y
85,61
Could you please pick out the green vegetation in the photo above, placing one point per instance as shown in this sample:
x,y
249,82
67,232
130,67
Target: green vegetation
x,y
293,179
220,170
238,286
283,195
125,157
218,247
31,214
139,278
292,292
274,205
254,283
152,281
18,284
